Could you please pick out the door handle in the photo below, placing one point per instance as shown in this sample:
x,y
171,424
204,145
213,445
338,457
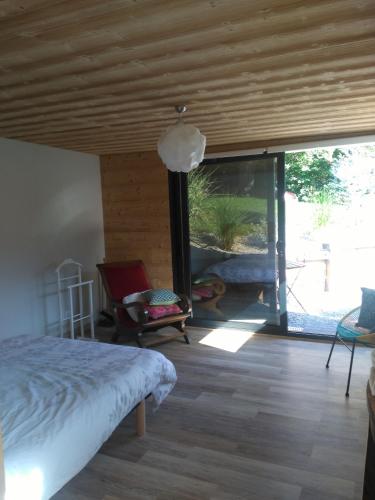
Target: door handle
x,y
280,248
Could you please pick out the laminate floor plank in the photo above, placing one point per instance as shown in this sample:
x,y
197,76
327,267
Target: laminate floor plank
x,y
336,462
274,472
266,422
229,479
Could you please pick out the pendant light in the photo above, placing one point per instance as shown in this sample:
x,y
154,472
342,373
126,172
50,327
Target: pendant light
x,y
182,146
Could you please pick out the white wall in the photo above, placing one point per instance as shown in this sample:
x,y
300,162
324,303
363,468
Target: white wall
x,y
50,209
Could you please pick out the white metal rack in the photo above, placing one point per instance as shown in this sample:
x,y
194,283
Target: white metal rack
x,y
69,280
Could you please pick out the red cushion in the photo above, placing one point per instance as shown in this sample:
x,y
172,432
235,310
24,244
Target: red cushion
x,y
123,281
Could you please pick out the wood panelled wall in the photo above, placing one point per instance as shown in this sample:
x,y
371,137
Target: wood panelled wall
x,y
136,212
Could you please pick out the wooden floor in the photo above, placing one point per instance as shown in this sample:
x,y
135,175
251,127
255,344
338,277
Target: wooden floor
x,y
266,422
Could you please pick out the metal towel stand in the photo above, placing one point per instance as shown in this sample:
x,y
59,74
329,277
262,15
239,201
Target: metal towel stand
x,y
69,279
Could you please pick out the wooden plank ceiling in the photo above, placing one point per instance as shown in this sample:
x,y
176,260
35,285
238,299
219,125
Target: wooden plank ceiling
x,y
103,76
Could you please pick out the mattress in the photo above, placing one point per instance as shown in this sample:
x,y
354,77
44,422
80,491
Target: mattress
x,y
245,269
61,399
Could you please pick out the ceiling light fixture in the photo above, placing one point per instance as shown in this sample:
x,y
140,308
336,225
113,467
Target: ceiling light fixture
x,y
182,146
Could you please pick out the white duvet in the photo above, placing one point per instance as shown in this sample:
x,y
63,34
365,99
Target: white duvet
x,y
61,399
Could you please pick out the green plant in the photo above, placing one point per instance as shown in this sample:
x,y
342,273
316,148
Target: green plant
x,y
222,219
200,187
227,221
324,202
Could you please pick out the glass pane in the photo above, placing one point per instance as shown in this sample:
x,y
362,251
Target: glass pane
x,y
232,215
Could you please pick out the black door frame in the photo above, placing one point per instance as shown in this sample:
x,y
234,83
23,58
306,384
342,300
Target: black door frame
x,y
180,239
179,225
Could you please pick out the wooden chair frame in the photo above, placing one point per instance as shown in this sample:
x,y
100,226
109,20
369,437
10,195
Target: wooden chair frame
x,y
144,324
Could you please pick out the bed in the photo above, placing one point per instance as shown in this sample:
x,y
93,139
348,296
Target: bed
x,y
61,399
247,268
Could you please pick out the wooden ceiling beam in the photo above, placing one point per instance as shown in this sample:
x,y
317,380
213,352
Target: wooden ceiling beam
x,y
254,143
130,21
130,76
226,129
95,75
240,109
297,81
330,94
225,142
247,126
91,61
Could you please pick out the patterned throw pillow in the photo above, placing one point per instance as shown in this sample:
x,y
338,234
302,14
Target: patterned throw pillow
x,y
161,297
367,313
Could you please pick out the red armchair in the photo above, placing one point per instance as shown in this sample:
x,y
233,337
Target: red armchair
x,y
124,278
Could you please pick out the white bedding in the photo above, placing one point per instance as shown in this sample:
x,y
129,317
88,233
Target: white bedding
x,y
61,399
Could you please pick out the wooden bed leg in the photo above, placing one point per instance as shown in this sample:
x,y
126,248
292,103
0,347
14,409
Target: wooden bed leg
x,y
2,471
141,418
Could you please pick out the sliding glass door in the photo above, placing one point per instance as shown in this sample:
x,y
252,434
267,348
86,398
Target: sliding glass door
x,y
229,247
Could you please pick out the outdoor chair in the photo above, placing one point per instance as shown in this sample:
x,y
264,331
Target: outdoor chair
x,y
207,291
348,332
132,320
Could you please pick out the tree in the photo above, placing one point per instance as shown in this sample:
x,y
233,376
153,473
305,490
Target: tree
x,y
313,172
357,171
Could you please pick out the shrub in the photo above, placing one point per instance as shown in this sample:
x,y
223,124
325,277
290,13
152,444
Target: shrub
x,y
324,202
200,187
227,221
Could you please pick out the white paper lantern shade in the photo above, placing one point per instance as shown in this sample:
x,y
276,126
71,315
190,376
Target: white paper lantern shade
x,y
181,147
